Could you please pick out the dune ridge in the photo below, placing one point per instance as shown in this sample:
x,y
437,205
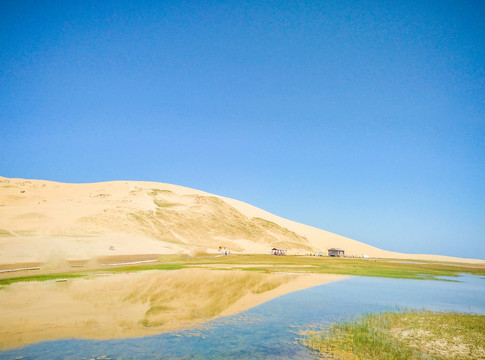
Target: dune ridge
x,y
41,220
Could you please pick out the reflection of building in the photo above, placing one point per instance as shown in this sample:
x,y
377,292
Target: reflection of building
x,y
278,252
336,252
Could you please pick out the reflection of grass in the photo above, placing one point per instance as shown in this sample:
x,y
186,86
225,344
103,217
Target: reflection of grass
x,y
267,286
410,335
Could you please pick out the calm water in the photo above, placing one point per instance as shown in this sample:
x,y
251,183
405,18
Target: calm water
x,y
270,331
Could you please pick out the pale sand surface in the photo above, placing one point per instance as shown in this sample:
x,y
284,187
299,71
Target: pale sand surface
x,y
242,266
137,304
46,221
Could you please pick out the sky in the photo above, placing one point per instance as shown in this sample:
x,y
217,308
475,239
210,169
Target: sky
x,y
363,118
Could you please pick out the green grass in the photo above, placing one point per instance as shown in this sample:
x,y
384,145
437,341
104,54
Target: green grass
x,y
408,335
344,266
291,264
145,267
42,277
86,273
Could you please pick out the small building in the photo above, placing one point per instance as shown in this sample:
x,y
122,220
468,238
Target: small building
x,y
223,251
336,252
278,252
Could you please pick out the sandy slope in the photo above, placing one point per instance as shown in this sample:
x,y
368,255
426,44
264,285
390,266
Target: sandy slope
x,y
46,221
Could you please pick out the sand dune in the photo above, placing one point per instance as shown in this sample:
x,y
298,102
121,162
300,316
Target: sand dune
x,y
42,220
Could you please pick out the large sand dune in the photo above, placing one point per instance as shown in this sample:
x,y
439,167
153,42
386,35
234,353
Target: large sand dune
x,y
46,221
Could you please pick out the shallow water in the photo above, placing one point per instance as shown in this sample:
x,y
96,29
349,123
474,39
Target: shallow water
x,y
271,330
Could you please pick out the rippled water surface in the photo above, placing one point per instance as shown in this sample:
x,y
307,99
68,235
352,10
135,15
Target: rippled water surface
x,y
272,330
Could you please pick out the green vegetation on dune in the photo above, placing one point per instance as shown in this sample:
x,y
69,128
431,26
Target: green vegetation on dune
x,y
409,335
289,238
155,192
4,232
205,219
194,220
164,203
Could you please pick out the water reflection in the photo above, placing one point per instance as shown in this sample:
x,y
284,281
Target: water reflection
x,y
271,330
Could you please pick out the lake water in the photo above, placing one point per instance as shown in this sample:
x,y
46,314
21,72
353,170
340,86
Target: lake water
x,y
271,330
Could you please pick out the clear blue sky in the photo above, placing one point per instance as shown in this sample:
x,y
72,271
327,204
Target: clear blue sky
x,y
364,118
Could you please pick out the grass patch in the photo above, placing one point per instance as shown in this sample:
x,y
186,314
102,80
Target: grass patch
x,y
408,335
291,264
43,277
343,266
145,267
155,192
72,275
164,203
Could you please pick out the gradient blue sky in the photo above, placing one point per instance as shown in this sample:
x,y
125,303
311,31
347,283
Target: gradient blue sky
x,y
364,118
